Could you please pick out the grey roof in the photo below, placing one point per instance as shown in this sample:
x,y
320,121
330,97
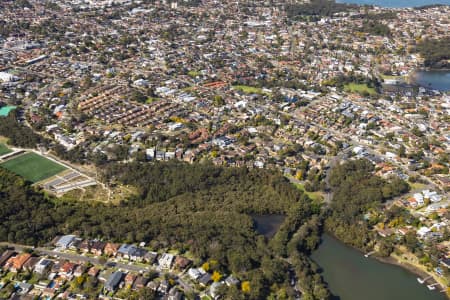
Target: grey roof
x,y
138,252
113,281
65,241
205,279
126,249
231,280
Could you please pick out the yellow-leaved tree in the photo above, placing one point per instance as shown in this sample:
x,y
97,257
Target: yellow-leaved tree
x,y
245,286
205,266
216,276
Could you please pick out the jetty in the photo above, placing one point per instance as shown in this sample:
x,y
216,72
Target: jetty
x,y
369,254
421,281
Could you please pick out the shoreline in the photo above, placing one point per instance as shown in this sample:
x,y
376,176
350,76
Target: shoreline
x,y
410,77
391,260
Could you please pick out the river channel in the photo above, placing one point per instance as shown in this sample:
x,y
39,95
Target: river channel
x,y
351,276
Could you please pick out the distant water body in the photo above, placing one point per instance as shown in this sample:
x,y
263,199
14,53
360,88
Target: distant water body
x,y
396,3
434,79
268,225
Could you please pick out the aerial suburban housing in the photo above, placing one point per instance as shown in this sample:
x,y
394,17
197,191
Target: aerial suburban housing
x,y
194,149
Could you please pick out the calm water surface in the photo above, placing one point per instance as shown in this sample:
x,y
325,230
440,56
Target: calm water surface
x,y
438,80
396,3
268,225
351,276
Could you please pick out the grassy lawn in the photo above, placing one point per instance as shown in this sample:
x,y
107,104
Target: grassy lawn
x,y
4,150
174,252
34,279
359,88
33,167
315,196
151,100
249,89
392,77
193,73
417,185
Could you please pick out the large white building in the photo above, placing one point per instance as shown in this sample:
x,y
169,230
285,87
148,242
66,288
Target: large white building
x,y
7,77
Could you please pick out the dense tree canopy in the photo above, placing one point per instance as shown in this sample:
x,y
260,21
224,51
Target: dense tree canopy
x,y
18,134
374,27
356,190
316,8
435,52
201,208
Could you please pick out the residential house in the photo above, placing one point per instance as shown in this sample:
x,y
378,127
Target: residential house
x,y
93,271
214,290
129,279
231,280
111,249
164,287
140,283
153,285
174,294
42,266
150,257
85,246
205,279
403,231
29,265
67,269
56,266
15,263
194,273
423,231
137,254
65,241
75,244
97,247
79,270
5,256
446,262
113,281
419,199
23,288
104,275
385,232
166,260
182,263
125,251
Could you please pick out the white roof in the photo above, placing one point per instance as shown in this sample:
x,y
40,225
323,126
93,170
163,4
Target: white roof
x,y
423,230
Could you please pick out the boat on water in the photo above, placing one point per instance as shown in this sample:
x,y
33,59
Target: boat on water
x,y
421,281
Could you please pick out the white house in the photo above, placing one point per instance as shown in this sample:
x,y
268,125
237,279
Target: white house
x,y
423,231
166,260
7,77
419,199
194,273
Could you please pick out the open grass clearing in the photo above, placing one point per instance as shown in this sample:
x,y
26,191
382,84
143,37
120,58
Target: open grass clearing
x,y
392,77
360,88
4,150
417,185
315,196
249,89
